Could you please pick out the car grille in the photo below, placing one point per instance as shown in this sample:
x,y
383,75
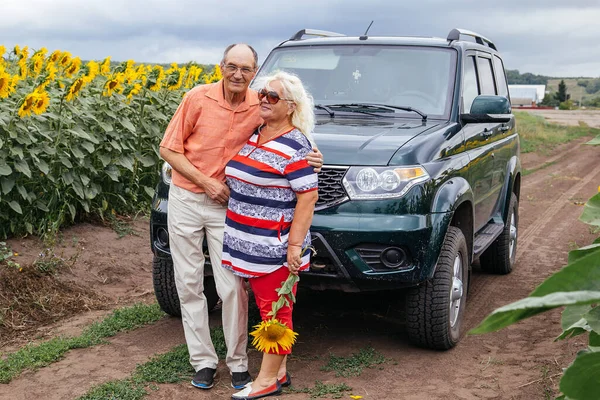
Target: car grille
x,y
331,190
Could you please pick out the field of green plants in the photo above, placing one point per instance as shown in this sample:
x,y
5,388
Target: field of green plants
x,y
81,138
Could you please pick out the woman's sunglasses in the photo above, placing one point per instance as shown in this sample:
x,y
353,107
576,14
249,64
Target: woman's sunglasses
x,y
272,96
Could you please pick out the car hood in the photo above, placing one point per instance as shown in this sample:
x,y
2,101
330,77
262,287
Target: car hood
x,y
365,141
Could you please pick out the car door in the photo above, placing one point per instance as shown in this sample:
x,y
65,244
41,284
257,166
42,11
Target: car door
x,y
481,139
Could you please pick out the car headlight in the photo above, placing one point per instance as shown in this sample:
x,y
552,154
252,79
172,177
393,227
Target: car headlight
x,y
382,182
166,173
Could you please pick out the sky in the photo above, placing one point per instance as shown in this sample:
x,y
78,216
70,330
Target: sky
x,y
549,37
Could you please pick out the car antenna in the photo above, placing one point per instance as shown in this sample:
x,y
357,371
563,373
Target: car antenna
x,y
364,36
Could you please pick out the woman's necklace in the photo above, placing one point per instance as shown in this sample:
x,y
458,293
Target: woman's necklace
x,y
279,131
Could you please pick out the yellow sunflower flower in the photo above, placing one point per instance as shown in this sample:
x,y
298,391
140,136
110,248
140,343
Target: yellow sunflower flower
x,y
73,67
5,84
13,85
156,77
105,67
24,53
41,103
64,59
75,88
113,84
17,50
23,68
2,50
54,56
27,105
133,90
271,335
37,62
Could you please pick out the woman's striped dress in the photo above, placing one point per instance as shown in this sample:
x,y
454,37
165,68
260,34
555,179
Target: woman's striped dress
x,y
263,181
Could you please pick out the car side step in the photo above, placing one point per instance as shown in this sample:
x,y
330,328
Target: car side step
x,y
485,237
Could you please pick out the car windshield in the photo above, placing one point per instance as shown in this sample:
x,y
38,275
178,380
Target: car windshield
x,y
408,76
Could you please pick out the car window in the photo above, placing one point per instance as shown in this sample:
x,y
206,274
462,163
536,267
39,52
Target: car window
x,y
419,77
486,76
500,77
470,88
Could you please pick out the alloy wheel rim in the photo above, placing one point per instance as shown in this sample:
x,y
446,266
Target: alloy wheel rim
x,y
456,292
513,235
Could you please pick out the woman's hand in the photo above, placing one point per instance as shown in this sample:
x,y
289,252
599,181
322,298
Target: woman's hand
x,y
315,159
293,258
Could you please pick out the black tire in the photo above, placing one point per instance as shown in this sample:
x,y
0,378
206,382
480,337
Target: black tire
x,y
429,320
500,257
163,278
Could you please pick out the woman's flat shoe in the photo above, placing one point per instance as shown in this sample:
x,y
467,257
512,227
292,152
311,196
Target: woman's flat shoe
x,y
245,393
286,380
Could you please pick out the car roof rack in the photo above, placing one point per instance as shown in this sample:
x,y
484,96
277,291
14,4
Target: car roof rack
x,y
455,35
314,32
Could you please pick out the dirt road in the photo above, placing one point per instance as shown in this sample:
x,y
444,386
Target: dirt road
x,y
520,362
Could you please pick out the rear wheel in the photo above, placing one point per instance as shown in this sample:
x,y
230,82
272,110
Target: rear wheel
x,y
500,257
434,310
163,277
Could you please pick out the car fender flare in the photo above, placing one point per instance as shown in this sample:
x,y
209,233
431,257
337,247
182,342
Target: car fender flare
x,y
448,198
513,169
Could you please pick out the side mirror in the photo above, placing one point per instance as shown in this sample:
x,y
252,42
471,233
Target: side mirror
x,y
487,108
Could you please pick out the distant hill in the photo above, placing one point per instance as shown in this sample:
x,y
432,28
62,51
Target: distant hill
x,y
582,90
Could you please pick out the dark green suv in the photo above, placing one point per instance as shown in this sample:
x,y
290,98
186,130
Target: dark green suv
x,y
422,173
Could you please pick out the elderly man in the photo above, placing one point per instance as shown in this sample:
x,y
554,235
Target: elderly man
x,y
212,123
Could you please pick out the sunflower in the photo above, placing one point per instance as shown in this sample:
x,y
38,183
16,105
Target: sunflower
x,y
73,67
13,85
272,335
64,59
54,56
27,105
24,53
2,50
156,77
36,63
41,103
75,88
5,84
23,68
113,84
132,90
105,67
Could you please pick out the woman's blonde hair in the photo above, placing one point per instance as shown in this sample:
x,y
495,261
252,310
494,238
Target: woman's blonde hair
x,y
303,117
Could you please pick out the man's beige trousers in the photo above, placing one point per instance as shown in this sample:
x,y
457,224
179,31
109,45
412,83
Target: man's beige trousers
x,y
190,217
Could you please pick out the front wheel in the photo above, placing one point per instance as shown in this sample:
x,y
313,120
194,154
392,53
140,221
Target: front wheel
x,y
163,278
434,310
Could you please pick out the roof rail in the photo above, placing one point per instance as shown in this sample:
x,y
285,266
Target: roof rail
x,y
455,35
314,32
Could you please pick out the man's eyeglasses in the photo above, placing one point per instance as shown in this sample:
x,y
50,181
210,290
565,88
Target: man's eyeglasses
x,y
272,96
232,69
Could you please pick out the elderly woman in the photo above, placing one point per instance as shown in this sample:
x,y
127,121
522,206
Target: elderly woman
x,y
273,194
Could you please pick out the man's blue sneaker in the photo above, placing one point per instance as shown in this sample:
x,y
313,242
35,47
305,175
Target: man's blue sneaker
x,y
205,378
240,379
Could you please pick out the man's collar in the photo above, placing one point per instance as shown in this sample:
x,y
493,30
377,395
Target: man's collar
x,y
216,92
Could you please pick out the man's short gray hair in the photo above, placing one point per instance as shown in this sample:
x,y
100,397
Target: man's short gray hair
x,y
231,46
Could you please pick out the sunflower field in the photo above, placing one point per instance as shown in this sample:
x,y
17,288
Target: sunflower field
x,y
81,138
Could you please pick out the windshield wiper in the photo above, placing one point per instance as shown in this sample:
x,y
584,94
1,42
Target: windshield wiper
x,y
375,107
329,110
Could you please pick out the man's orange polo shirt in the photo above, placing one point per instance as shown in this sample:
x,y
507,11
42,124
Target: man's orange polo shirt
x,y
209,132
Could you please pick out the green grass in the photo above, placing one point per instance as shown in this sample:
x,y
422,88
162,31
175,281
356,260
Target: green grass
x,y
40,355
171,367
354,364
539,135
320,390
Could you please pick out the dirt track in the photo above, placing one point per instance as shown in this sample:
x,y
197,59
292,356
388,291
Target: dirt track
x,y
520,362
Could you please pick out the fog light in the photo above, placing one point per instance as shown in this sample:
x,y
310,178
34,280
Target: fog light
x,y
393,257
162,236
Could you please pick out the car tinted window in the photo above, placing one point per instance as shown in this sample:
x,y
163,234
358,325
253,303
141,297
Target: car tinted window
x,y
470,88
486,76
419,77
500,77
